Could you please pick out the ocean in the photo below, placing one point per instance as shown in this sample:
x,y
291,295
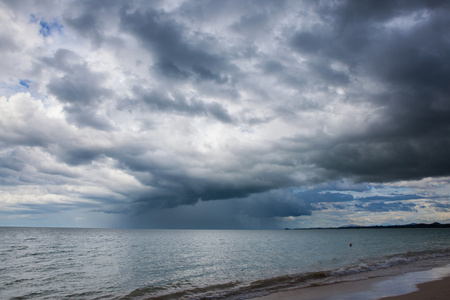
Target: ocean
x,y
69,263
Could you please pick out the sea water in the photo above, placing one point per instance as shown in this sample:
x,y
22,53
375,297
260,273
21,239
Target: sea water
x,y
64,263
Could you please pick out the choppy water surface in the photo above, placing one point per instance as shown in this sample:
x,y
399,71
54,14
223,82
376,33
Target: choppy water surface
x,y
48,263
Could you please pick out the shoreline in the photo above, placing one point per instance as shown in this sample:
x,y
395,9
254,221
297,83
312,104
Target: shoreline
x,y
436,290
426,284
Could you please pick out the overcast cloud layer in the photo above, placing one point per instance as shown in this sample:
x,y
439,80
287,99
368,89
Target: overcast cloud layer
x,y
224,114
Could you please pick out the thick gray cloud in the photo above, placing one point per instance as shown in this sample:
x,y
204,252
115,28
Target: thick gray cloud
x,y
79,89
168,40
411,64
275,109
157,101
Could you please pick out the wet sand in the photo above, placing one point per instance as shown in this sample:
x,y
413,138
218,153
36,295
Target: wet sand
x,y
373,288
323,291
436,290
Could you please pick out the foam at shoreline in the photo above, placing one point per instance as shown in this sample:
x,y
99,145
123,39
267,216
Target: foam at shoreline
x,y
393,287
436,290
389,266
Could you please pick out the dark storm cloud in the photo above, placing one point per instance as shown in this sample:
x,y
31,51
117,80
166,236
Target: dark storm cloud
x,y
411,139
387,158
413,64
200,73
211,215
286,203
260,211
170,70
277,203
166,38
270,82
272,66
12,161
171,188
32,137
326,73
79,88
92,19
87,25
173,184
206,74
221,214
177,103
75,155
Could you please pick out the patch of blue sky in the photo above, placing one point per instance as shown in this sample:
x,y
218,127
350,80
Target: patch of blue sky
x,y
14,86
47,27
25,83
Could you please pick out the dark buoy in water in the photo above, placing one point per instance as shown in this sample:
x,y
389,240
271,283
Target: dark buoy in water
x,y
350,244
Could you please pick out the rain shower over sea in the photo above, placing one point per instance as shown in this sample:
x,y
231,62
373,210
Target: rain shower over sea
x,y
64,263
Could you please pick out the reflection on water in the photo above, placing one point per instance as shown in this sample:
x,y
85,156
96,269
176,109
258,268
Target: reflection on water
x,y
43,263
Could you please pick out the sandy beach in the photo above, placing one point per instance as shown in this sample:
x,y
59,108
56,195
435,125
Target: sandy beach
x,y
436,290
382,288
322,292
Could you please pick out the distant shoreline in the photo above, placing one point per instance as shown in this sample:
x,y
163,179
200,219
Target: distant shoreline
x,y
421,225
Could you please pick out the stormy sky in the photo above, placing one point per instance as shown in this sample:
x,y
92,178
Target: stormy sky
x,y
224,114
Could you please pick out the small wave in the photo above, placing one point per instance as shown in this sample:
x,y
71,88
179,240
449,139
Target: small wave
x,y
44,254
14,248
230,290
391,261
261,287
17,281
156,292
85,295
